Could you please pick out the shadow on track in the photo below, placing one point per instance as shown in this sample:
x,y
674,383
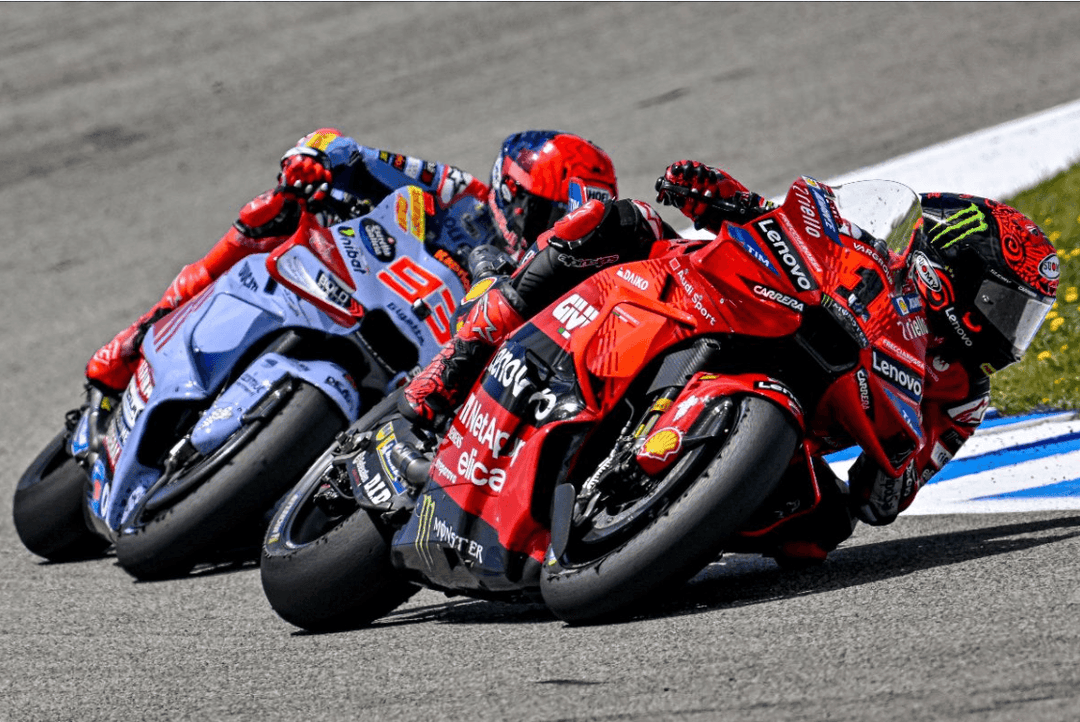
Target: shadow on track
x,y
749,579
744,579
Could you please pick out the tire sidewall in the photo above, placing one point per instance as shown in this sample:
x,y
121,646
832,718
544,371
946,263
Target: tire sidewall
x,y
238,494
49,509
689,533
344,578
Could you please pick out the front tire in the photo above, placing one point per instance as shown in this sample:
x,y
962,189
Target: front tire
x,y
325,571
728,484
228,509
49,507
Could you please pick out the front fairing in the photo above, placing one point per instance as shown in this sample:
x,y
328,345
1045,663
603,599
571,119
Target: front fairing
x,y
187,357
391,261
380,263
876,404
825,269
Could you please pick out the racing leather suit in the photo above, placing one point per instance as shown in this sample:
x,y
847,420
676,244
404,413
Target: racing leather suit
x,y
956,392
361,177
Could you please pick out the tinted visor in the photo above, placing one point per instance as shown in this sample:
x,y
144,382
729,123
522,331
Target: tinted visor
x,y
1015,315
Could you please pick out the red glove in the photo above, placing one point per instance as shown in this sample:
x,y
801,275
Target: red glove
x,y
305,174
702,184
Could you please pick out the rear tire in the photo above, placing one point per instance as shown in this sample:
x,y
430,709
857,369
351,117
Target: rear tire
x,y
327,573
228,510
583,587
49,507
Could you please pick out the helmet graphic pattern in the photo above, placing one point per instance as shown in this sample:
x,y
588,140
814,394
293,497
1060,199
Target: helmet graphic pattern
x,y
1025,249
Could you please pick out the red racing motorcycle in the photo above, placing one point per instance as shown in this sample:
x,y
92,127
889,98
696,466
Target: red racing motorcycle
x,y
657,414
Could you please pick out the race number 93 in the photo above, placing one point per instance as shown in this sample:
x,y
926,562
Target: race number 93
x,y
413,282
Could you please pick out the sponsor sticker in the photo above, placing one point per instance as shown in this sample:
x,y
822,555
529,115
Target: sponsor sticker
x,y
574,312
899,375
790,261
381,244
662,443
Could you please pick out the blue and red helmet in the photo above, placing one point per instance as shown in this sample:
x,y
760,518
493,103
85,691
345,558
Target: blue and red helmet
x,y
531,183
987,274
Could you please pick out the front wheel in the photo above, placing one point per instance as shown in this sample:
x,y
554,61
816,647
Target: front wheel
x,y
666,540
229,508
49,507
326,563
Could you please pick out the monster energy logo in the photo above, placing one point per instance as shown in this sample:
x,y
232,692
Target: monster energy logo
x,y
958,226
425,514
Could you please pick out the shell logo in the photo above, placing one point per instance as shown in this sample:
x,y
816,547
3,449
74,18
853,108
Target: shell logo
x,y
662,444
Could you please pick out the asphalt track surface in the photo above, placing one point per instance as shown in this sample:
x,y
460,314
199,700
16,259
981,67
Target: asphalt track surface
x,y
132,133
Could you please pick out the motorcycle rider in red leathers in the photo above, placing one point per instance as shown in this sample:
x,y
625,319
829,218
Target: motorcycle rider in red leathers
x,y
986,275
343,179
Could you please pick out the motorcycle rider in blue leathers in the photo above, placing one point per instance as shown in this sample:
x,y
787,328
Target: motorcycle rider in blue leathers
x,y
342,179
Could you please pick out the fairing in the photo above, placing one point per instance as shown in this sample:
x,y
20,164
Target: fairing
x,y
323,281
837,341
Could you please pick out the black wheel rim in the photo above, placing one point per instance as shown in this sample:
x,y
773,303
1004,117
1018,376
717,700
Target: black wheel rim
x,y
617,518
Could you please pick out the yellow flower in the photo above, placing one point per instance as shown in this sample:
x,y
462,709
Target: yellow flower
x,y
1074,252
1048,222
1053,314
1064,347
1054,236
1044,355
1056,323
1071,294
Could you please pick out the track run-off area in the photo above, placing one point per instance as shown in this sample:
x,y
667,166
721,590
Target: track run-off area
x,y
134,132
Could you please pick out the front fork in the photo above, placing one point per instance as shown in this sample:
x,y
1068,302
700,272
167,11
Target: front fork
x,y
88,424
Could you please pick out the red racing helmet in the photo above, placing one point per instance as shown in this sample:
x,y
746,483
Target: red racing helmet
x,y
988,276
530,183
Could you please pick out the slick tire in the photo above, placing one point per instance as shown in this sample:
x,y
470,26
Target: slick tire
x,y
229,509
688,533
323,573
341,580
49,504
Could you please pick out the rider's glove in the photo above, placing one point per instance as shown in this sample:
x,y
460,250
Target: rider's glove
x,y
305,174
877,496
488,260
698,187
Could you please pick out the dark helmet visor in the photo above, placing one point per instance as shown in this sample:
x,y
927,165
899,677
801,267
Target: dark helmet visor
x,y
1015,314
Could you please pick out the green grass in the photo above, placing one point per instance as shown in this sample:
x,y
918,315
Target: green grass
x,y
1047,376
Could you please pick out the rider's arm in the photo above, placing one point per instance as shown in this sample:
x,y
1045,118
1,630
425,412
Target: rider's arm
x,y
594,236
953,406
372,174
